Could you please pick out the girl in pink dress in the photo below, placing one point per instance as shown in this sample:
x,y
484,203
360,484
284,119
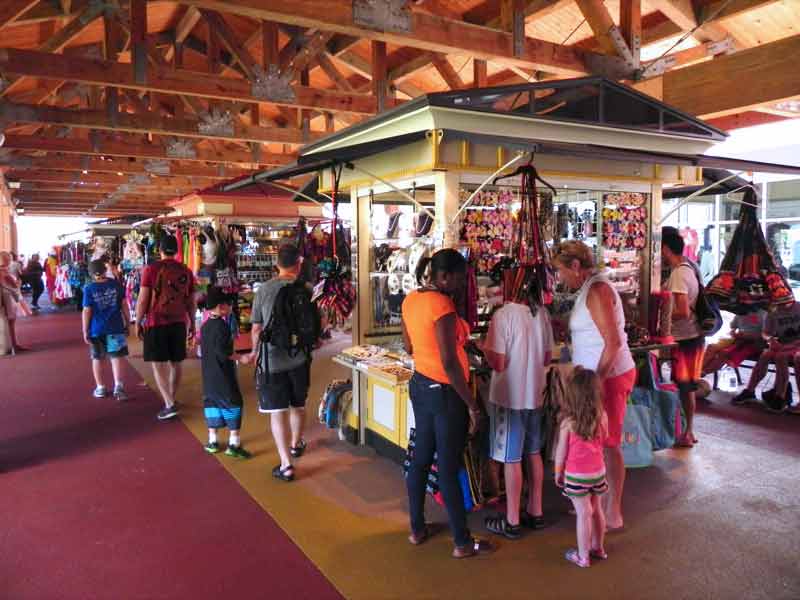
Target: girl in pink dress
x,y
579,467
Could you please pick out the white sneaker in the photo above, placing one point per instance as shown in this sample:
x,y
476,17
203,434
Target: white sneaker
x,y
100,391
119,393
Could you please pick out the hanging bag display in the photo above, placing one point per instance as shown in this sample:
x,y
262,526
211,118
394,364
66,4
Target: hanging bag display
x,y
749,278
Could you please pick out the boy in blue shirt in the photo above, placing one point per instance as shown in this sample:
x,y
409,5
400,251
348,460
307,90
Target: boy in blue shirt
x,y
106,317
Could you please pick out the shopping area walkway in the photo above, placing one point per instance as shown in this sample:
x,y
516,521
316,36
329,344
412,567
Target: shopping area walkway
x,y
101,501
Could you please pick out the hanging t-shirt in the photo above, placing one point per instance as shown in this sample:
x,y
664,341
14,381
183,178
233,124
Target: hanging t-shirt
x,y
683,280
172,285
525,341
784,323
219,371
105,299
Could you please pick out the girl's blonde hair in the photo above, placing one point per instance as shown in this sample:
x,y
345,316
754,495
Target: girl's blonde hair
x,y
583,402
571,250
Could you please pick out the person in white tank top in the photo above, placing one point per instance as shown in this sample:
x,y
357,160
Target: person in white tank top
x,y
599,343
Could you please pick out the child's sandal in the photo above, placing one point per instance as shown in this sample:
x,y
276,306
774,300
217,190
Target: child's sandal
x,y
598,554
573,556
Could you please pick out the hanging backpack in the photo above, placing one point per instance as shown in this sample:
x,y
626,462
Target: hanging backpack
x,y
709,317
294,325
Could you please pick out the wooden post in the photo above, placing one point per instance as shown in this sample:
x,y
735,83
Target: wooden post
x,y
379,87
329,128
479,73
212,50
630,24
305,114
139,39
269,43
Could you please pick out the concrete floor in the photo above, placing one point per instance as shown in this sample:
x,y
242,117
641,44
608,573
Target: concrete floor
x,y
721,520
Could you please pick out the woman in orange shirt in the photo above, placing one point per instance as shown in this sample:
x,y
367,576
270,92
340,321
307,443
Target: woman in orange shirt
x,y
444,408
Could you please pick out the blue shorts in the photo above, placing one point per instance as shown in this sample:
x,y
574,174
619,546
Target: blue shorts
x,y
218,417
114,345
514,433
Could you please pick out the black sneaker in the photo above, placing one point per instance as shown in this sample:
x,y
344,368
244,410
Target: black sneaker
x,y
773,402
168,413
743,397
211,447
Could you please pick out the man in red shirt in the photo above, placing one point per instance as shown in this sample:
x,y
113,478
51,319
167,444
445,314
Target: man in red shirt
x,y
165,305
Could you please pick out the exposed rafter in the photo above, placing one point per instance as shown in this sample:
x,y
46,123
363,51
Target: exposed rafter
x,y
173,81
147,151
427,32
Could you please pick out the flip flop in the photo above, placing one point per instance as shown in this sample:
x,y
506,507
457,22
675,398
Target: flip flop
x,y
473,549
574,557
423,536
286,474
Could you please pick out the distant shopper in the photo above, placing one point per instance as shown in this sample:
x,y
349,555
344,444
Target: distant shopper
x,y
599,343
12,299
444,408
165,320
518,348
286,326
15,268
32,274
105,327
222,398
579,467
687,358
782,336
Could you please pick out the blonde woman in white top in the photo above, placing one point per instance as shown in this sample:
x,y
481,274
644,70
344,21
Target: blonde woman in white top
x,y
599,343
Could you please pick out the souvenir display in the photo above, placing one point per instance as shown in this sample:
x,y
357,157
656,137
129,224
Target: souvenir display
x,y
487,227
335,294
624,221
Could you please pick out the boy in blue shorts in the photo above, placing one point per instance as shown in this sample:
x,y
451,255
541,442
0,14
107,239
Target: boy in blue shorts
x,y
105,327
222,398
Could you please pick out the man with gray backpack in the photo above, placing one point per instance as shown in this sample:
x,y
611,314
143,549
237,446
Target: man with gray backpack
x,y
286,326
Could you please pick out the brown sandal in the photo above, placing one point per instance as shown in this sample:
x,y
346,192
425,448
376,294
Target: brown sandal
x,y
431,529
474,548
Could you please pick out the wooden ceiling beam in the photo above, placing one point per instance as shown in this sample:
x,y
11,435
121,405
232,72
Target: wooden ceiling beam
x,y
11,10
102,189
145,151
606,32
717,88
184,27
427,32
93,165
171,81
62,37
145,123
680,12
91,178
448,73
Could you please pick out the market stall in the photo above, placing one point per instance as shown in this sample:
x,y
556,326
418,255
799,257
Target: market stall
x,y
450,169
231,240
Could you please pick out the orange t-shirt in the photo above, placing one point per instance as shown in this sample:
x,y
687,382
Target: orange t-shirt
x,y
421,310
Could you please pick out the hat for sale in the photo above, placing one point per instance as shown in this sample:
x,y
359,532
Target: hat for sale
x,y
168,244
216,296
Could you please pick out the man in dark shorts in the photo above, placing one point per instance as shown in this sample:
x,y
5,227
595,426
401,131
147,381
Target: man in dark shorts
x,y
284,399
165,305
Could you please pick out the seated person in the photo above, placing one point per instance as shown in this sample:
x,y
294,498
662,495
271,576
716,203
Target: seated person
x,y
746,343
782,333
